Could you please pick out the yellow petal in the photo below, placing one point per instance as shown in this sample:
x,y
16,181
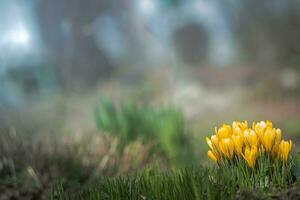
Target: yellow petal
x,y
238,144
284,149
224,131
250,137
209,143
268,139
278,136
212,156
215,142
250,155
269,124
227,147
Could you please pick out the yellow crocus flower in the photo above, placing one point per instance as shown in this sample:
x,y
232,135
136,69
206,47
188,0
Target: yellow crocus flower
x,y
251,137
227,147
224,131
235,124
269,124
284,149
237,131
268,139
239,125
213,142
278,137
213,156
209,143
275,150
259,128
262,125
240,140
238,143
250,155
244,125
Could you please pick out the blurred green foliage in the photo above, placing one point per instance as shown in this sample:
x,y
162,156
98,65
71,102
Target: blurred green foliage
x,y
164,125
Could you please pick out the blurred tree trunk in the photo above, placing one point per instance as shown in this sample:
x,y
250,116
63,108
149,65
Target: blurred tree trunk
x,y
66,29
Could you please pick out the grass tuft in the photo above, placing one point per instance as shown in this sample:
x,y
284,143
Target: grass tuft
x,y
186,184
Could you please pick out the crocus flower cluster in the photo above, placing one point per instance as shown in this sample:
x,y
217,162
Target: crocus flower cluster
x,y
243,142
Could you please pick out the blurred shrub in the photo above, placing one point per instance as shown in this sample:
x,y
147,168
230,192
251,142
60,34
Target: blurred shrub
x,y
30,165
165,125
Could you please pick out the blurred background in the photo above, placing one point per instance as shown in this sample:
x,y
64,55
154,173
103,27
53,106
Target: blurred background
x,y
106,87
